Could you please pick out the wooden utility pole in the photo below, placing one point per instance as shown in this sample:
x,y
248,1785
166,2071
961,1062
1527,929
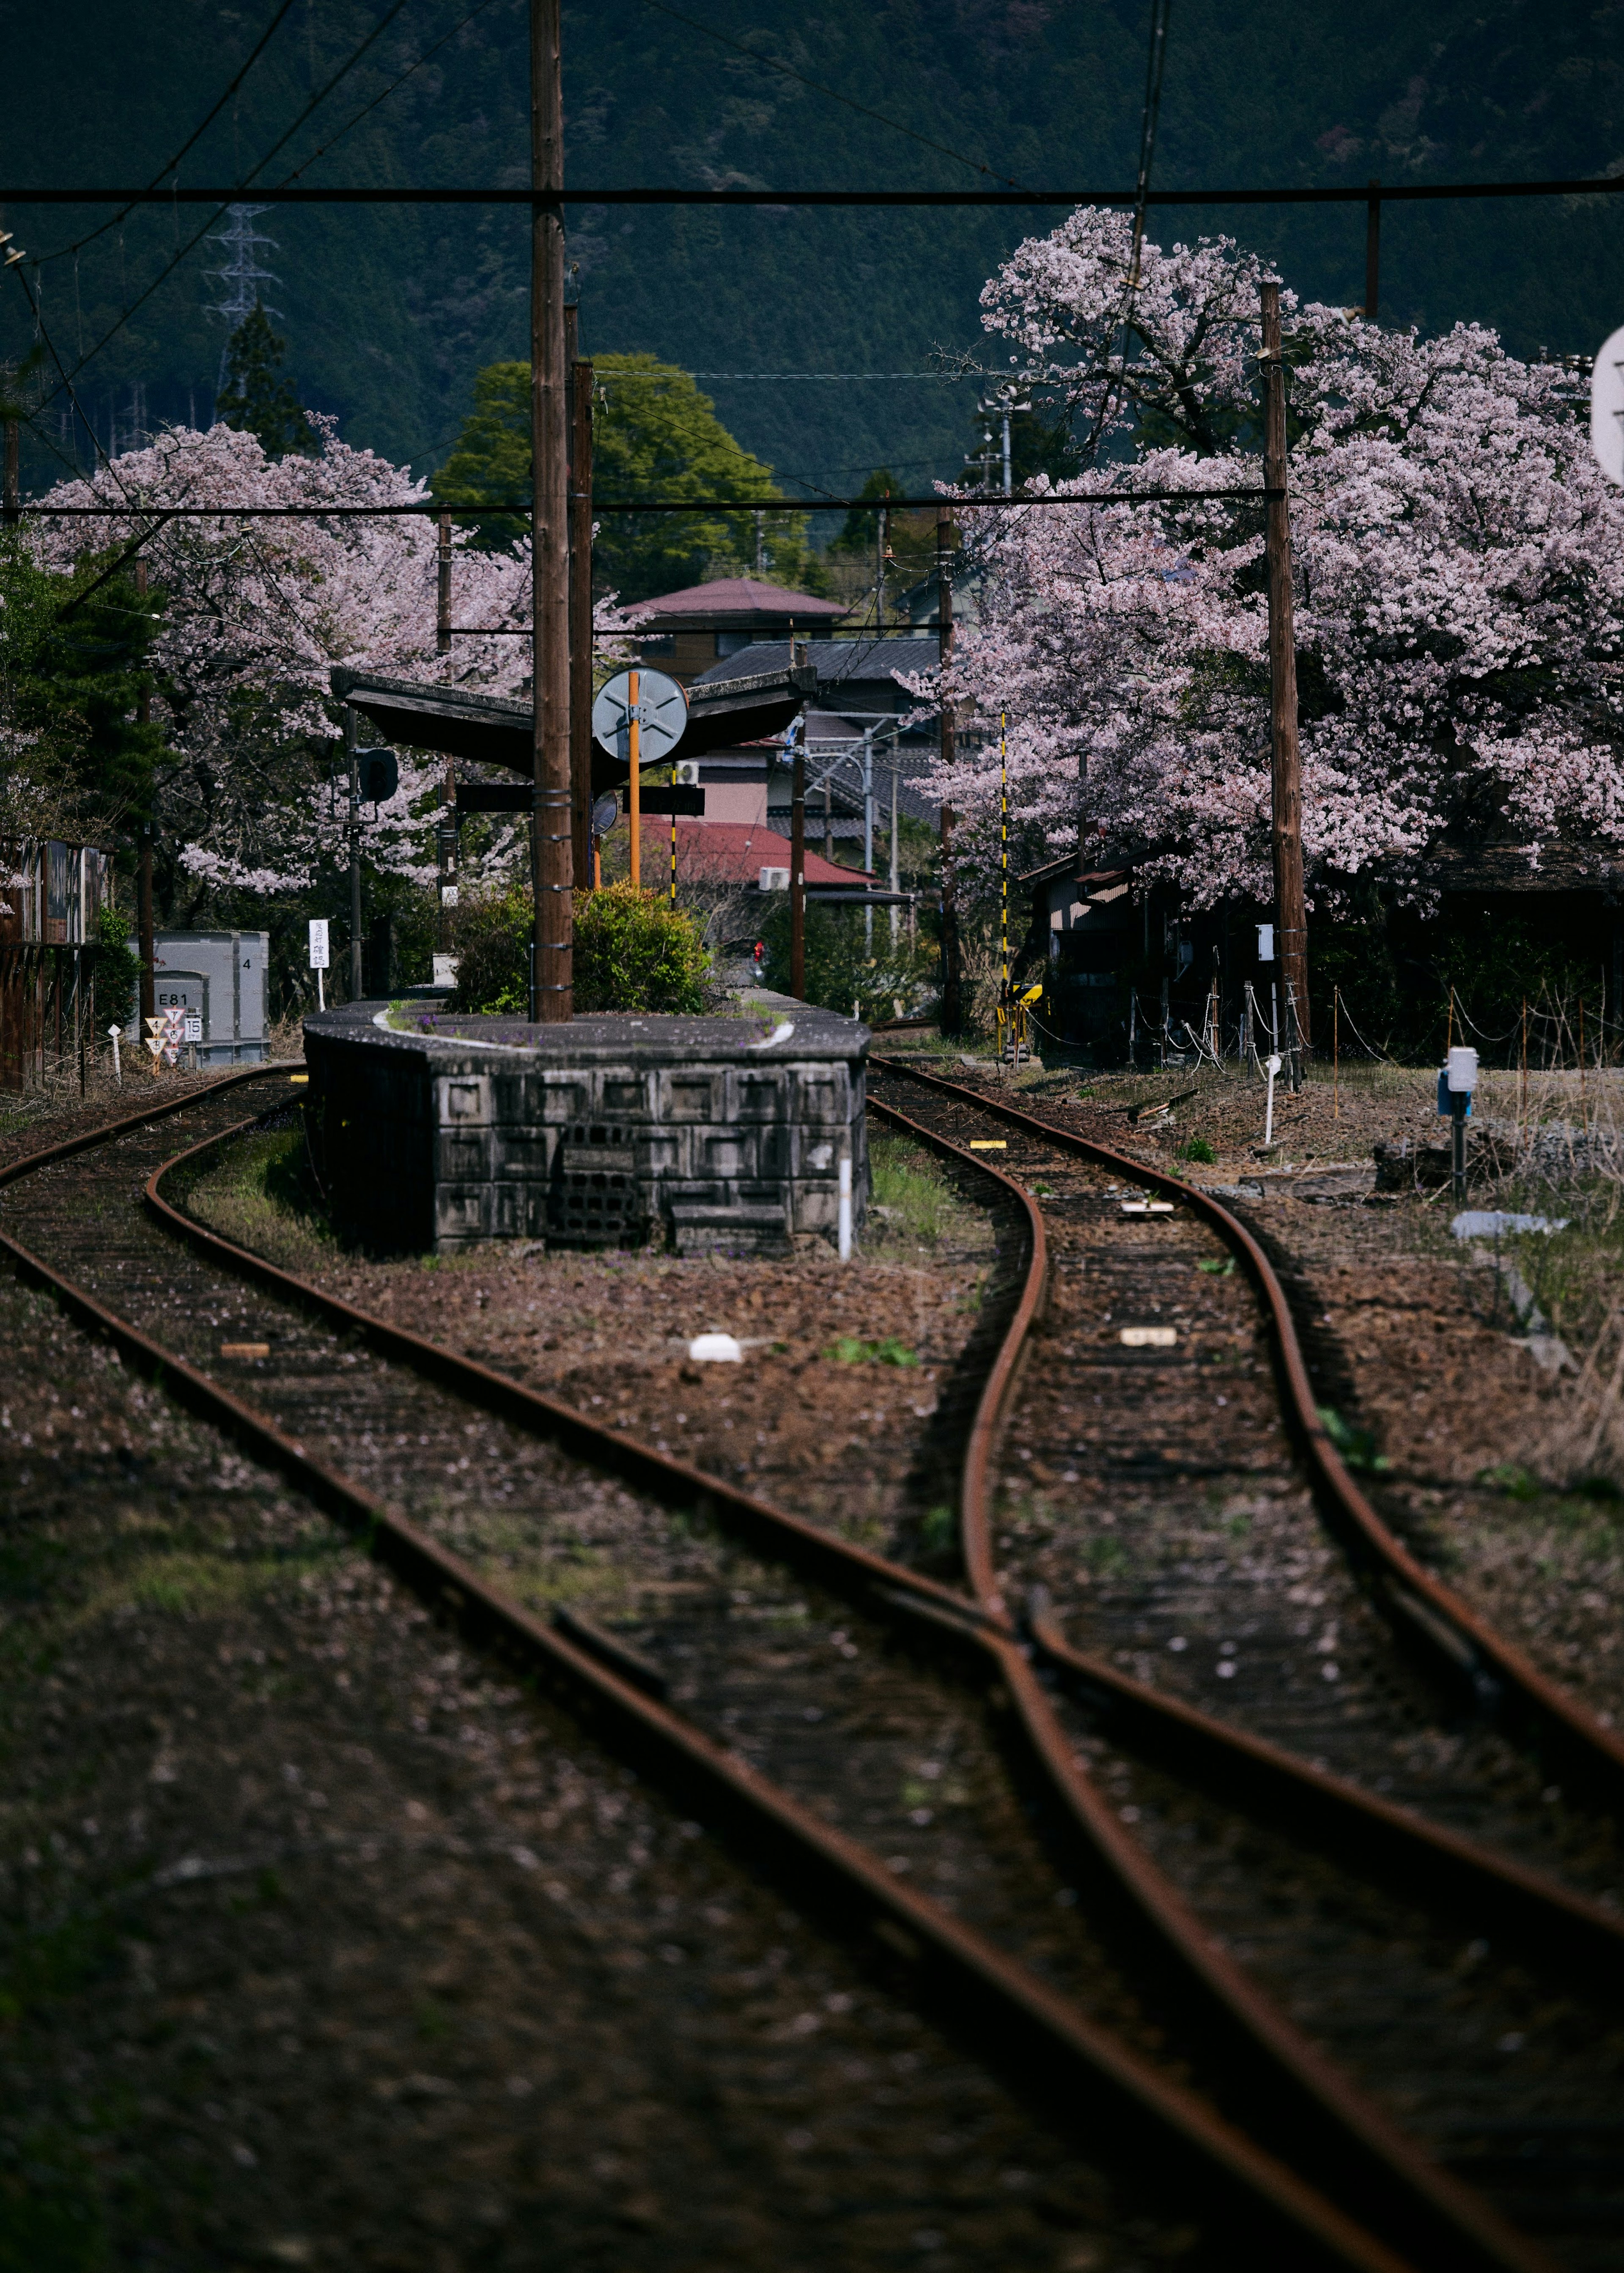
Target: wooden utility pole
x,y
580,598
798,873
1373,248
953,1007
442,608
551,872
13,493
1287,768
144,946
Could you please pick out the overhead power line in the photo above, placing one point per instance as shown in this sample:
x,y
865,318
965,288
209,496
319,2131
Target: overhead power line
x,y
192,140
175,195
293,193
482,508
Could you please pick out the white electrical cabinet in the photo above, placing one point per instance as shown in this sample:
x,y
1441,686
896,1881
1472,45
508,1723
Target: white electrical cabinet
x,y
220,976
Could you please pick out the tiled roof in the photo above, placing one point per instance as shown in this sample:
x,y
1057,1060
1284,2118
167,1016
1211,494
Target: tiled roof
x,y
742,595
738,849
835,661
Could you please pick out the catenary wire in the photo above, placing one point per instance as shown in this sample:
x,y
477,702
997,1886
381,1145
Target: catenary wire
x,y
1586,185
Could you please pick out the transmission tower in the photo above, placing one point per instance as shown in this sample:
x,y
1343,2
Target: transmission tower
x,y
240,273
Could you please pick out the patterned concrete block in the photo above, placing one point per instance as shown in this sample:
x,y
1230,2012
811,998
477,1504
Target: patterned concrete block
x,y
611,1130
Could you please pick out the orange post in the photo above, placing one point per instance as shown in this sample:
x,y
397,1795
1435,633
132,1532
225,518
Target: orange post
x,y
634,741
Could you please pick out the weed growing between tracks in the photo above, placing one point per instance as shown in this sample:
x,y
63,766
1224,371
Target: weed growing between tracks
x,y
834,1412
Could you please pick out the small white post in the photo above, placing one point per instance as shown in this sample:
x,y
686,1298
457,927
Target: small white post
x,y
1271,1066
321,990
118,1071
846,1208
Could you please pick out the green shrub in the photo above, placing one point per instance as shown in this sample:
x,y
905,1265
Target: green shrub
x,y
1198,1149
634,951
118,969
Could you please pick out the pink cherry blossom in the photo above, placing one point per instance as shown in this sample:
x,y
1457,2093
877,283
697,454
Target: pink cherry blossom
x,y
256,614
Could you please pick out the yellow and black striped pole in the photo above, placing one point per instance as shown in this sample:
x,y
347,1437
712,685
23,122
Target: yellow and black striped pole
x,y
1004,865
1004,844
674,838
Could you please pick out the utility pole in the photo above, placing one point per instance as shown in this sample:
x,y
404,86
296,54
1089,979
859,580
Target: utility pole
x,y
798,870
1287,764
952,1011
1005,405
580,600
13,493
867,794
551,870
356,988
442,607
895,866
1373,248
145,948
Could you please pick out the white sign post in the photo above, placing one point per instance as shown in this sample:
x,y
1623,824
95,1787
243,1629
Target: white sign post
x,y
118,1071
1607,407
318,958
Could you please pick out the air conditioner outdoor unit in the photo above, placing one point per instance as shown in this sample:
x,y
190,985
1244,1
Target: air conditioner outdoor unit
x,y
775,879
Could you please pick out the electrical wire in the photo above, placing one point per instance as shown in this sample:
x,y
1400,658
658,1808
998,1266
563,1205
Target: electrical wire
x,y
368,108
169,267
786,70
189,143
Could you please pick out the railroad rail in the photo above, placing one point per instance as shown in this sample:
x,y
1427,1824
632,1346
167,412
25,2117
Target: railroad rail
x,y
1313,2167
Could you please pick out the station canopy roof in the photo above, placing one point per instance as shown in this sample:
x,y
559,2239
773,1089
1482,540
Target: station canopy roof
x,y
493,730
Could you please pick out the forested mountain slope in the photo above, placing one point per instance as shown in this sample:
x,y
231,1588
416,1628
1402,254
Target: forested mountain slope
x,y
388,312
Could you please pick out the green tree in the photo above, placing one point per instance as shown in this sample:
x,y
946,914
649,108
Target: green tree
x,y
75,759
256,399
654,435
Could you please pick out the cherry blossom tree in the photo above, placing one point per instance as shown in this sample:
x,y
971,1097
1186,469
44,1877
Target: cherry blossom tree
x,y
256,613
1459,561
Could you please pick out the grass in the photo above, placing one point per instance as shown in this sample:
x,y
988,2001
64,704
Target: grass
x,y
850,1351
921,1205
260,1194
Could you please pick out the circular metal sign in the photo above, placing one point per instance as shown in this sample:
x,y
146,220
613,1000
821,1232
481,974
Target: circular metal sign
x,y
605,813
661,714
1607,407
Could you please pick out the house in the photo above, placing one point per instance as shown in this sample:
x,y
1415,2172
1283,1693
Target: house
x,y
740,853
855,740
694,630
1132,969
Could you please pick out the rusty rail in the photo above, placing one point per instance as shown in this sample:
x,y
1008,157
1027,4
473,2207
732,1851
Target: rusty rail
x,y
1420,2206
1408,1592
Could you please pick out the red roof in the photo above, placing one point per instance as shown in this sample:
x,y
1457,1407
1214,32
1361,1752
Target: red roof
x,y
737,850
741,596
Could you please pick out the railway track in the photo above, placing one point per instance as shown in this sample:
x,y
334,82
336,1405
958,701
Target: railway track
x,y
1191,1528
795,1685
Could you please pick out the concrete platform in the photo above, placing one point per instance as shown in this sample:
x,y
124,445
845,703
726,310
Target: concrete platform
x,y
436,1131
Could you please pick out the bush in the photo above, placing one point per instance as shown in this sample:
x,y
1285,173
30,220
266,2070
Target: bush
x,y
118,970
840,974
634,951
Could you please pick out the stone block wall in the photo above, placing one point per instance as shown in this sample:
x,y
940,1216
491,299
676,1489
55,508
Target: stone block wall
x,y
688,1133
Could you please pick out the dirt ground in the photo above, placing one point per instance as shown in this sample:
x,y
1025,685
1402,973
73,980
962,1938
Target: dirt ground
x,y
322,1944
832,1410
1502,1476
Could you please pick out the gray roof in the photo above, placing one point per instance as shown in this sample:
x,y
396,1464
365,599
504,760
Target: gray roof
x,y
860,669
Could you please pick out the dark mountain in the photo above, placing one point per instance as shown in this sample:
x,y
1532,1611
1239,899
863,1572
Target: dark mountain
x,y
387,313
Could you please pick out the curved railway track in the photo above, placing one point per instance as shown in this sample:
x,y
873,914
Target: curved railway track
x,y
749,1643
